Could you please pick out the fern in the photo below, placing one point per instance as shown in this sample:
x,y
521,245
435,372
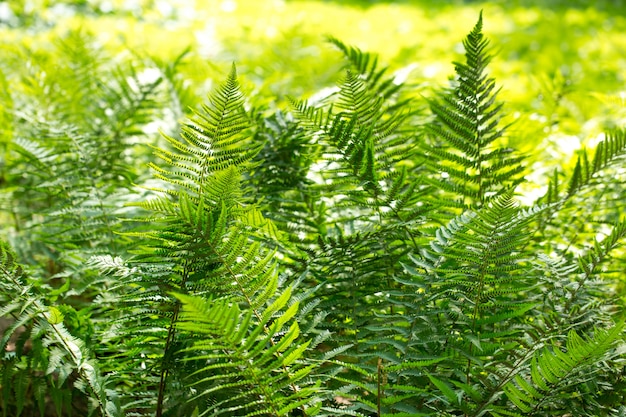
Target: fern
x,y
467,157
252,362
207,244
64,353
366,195
365,130
551,368
350,256
73,157
475,295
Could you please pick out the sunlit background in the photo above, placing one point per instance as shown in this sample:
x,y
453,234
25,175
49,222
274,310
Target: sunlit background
x,y
561,64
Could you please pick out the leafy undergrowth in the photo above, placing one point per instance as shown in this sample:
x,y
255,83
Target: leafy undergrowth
x,y
382,247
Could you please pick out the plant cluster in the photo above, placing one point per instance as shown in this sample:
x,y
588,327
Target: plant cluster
x,y
364,253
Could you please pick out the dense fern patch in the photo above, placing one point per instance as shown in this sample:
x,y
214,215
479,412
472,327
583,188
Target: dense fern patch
x,y
362,252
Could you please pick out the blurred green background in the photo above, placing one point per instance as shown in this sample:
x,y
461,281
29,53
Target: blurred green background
x,y
561,64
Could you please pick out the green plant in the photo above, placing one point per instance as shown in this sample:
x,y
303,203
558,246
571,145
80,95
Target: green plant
x,y
360,254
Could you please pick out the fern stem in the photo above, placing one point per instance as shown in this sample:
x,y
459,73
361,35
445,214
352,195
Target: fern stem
x,y
171,333
169,341
380,387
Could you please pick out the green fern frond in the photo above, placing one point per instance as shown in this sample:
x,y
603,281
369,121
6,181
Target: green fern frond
x,y
356,99
67,353
611,148
474,276
578,209
600,250
365,64
213,140
363,127
553,369
583,287
588,173
466,131
248,356
201,240
364,204
312,115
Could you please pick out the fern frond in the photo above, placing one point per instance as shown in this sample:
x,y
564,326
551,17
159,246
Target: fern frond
x,y
203,240
473,275
590,172
212,141
363,127
611,148
365,63
366,66
466,131
553,369
66,351
601,250
573,284
248,356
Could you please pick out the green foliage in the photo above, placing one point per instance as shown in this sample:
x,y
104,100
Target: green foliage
x,y
550,369
251,363
56,354
466,131
363,252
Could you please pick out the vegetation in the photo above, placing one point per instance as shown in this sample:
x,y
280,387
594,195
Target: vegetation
x,y
379,248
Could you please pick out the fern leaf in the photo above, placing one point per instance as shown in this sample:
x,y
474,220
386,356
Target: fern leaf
x,y
237,350
213,141
65,350
466,131
445,389
606,152
552,369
